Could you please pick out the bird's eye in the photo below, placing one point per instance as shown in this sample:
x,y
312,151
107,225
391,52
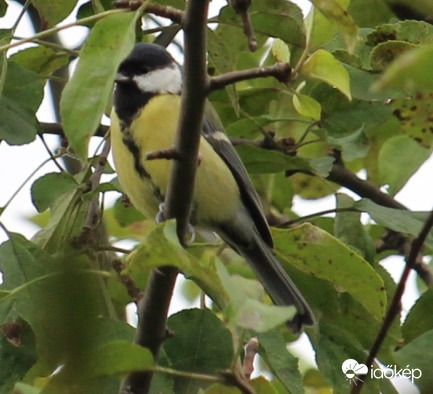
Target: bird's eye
x,y
144,69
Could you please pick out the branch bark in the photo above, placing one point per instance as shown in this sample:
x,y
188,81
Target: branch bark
x,y
156,300
348,179
280,71
168,12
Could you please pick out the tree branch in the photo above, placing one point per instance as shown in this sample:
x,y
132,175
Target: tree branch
x,y
241,8
57,129
394,307
348,179
280,71
153,308
168,12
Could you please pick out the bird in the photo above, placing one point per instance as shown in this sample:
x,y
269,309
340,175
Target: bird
x,y
146,108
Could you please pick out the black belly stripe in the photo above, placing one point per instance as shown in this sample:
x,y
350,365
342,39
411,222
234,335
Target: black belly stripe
x,y
135,151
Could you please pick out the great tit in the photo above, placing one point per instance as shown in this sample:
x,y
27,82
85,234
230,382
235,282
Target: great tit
x,y
143,120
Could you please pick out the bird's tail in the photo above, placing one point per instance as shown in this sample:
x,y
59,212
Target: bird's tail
x,y
277,282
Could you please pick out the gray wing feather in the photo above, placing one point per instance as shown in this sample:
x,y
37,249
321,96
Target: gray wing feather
x,y
249,195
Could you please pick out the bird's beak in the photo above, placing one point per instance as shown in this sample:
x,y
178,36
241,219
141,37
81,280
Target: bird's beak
x,y
119,78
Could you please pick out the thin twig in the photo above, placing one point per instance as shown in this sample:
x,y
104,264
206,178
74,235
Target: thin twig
x,y
93,216
394,307
166,154
241,8
315,215
53,158
280,71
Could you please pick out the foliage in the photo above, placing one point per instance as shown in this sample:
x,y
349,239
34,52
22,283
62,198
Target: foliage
x,y
359,100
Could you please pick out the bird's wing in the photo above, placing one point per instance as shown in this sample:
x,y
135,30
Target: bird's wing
x,y
214,133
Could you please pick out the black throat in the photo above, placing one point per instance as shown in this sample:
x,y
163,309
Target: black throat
x,y
128,101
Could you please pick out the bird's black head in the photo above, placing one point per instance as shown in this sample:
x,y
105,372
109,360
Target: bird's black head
x,y
149,70
145,58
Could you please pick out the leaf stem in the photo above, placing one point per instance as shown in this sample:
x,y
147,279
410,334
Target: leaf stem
x,y
189,375
314,215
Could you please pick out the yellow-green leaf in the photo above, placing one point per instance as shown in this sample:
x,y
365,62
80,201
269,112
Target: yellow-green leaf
x,y
86,94
336,13
411,70
324,66
281,51
307,106
316,252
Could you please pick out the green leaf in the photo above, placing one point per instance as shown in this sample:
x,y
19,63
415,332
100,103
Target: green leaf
x,y
263,161
352,146
49,187
385,53
53,11
409,71
337,14
40,59
126,215
247,312
410,31
251,126
161,247
307,106
399,220
369,13
324,66
281,51
416,356
399,158
3,7
314,251
420,319
261,385
39,277
16,357
348,121
274,18
281,362
90,8
334,346
22,94
361,82
322,166
416,117
116,358
219,388
68,213
200,343
86,93
23,388
349,229
222,59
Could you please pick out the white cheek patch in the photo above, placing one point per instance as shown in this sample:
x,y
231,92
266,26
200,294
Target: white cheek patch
x,y
162,80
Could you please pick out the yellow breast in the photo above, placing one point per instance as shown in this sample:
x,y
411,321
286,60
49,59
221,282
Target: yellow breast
x,y
216,192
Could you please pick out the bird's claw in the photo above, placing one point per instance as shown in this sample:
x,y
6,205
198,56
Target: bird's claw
x,y
160,217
